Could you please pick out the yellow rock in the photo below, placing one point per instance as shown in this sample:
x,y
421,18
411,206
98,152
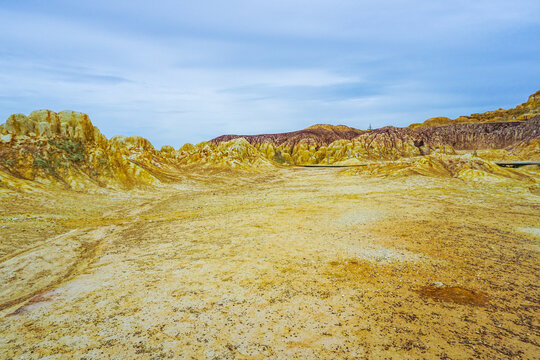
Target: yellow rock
x,y
6,138
465,167
167,149
19,124
529,150
130,143
46,116
237,153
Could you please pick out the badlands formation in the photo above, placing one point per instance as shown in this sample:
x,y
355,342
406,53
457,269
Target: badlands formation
x,y
228,249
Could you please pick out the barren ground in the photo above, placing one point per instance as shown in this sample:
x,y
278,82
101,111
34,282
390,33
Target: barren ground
x,y
297,263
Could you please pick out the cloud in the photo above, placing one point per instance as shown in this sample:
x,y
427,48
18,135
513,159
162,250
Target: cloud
x,y
180,72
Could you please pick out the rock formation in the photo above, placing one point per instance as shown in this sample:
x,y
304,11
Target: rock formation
x,y
236,153
474,136
521,112
48,124
458,166
468,168
65,148
316,134
306,146
502,134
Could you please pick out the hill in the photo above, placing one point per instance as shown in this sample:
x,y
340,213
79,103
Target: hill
x,y
66,149
499,134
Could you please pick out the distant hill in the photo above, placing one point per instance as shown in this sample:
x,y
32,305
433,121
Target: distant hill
x,y
514,130
65,149
521,112
320,134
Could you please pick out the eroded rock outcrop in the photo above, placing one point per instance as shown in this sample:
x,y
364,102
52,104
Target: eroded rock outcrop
x,y
236,153
499,134
66,149
468,168
475,136
306,146
48,124
317,134
522,112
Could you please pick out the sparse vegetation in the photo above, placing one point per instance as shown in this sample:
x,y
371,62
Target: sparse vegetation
x,y
7,161
279,158
41,163
46,165
75,149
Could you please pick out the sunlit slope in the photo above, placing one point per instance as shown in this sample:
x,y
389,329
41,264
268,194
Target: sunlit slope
x,y
66,149
501,134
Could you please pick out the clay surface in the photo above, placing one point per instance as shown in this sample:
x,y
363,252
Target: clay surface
x,y
292,263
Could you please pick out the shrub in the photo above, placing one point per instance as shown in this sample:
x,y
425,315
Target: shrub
x,y
74,148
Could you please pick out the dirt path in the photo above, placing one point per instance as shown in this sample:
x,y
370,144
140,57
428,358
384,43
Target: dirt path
x,y
299,263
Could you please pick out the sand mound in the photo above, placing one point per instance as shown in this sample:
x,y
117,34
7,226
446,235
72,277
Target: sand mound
x,y
529,149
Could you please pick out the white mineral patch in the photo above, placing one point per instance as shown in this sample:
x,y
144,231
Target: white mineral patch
x,y
530,230
361,216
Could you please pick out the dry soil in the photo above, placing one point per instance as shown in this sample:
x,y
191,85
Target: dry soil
x,y
294,264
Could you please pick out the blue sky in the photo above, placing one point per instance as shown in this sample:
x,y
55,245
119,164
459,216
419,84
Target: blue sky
x,y
188,71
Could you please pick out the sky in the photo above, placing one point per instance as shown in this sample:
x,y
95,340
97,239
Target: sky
x,y
188,71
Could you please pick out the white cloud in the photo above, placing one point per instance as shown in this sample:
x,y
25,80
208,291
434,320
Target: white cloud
x,y
189,72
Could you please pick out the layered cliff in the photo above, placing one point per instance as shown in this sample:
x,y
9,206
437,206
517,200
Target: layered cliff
x,y
317,134
475,136
499,134
522,112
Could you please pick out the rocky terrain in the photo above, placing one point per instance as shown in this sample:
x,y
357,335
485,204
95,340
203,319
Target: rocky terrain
x,y
521,112
514,132
66,149
112,249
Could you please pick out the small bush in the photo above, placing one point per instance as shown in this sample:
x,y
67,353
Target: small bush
x,y
76,157
41,163
279,158
9,162
74,148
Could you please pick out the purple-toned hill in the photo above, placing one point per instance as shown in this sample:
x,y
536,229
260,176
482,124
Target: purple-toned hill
x,y
316,134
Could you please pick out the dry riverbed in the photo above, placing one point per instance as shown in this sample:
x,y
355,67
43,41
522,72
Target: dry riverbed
x,y
297,263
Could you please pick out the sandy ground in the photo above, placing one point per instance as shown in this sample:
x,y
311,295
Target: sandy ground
x,y
293,264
